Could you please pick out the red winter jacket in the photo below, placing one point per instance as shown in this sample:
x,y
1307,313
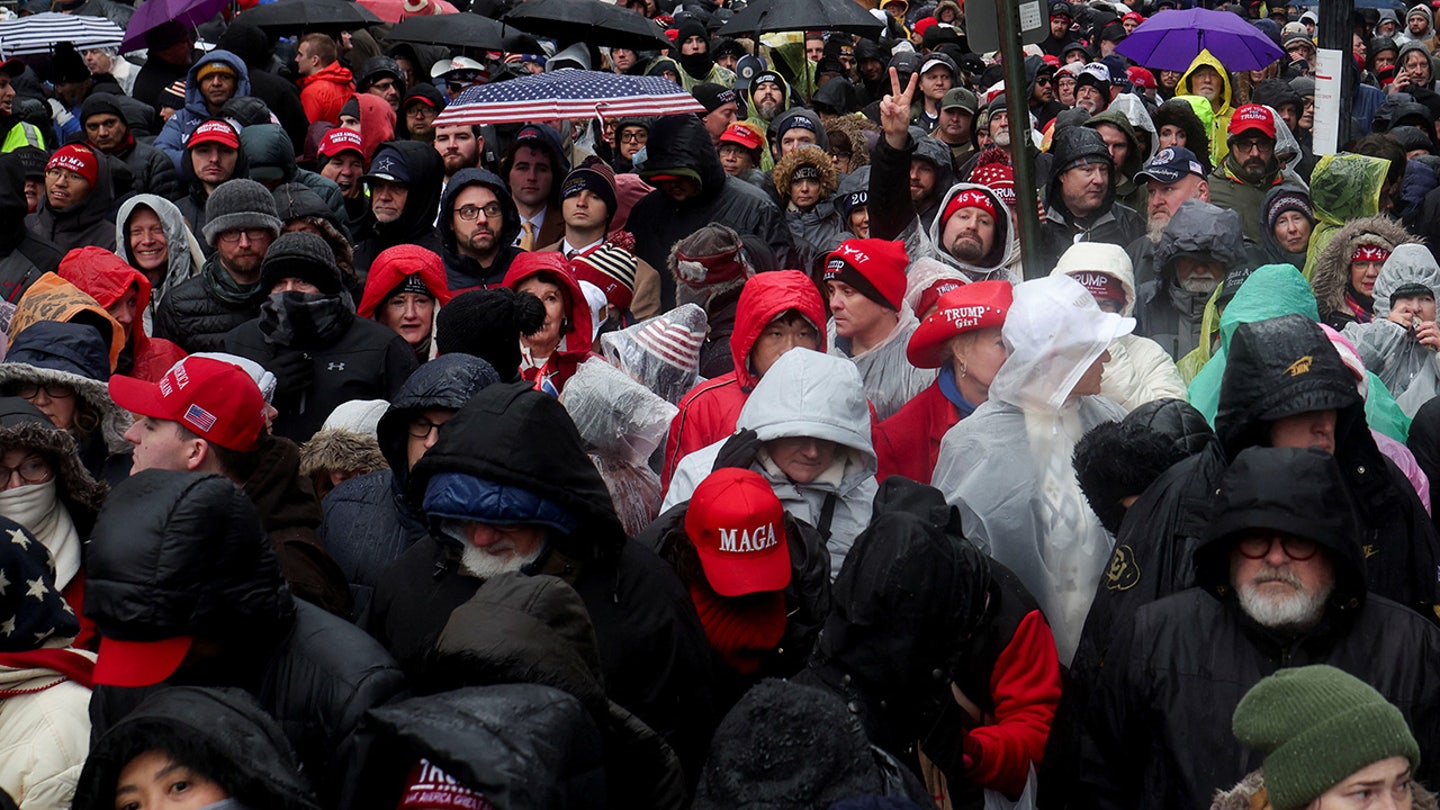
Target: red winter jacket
x,y
908,443
577,341
708,412
325,91
106,277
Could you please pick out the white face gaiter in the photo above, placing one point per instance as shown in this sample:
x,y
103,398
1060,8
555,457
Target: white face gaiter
x,y
37,507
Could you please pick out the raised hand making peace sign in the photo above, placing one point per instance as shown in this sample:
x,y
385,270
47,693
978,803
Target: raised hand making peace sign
x,y
895,110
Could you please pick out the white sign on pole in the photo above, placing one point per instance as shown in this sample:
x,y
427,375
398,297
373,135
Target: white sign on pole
x,y
1328,86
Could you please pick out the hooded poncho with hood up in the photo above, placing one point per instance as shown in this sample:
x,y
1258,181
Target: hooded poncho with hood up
x,y
223,734
577,333
1219,113
416,224
184,554
1170,314
1340,304
919,611
83,224
368,520
184,253
653,650
1390,350
1139,371
463,272
1343,188
1157,731
894,215
1112,222
177,131
809,395
392,269
680,145
107,278
1007,466
708,412
1127,189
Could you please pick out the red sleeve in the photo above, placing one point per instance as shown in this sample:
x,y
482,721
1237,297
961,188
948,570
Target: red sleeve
x,y
1025,687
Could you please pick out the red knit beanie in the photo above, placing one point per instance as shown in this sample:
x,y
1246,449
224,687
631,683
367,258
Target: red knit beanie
x,y
874,267
78,159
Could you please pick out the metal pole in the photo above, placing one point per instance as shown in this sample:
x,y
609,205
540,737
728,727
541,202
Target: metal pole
x,y
1017,105
1335,32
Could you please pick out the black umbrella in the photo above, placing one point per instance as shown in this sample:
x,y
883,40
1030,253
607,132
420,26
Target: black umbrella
x,y
765,16
301,16
588,21
463,30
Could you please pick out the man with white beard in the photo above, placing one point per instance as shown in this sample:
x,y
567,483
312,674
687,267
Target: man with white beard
x,y
1172,176
1199,244
1281,583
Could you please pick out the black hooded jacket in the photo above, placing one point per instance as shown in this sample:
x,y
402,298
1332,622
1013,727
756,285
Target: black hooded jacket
x,y
24,257
222,733
657,222
1113,223
416,225
652,648
369,521
891,209
917,608
463,272
1157,731
183,554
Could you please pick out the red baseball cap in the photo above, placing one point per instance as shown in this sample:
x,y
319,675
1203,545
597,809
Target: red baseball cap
x,y
1141,77
742,134
139,663
340,140
1253,116
738,528
214,131
972,306
215,399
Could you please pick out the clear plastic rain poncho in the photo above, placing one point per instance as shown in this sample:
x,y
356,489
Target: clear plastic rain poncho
x,y
1342,187
663,352
621,423
1025,508
1410,370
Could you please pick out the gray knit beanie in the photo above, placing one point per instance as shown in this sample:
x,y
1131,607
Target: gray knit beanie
x,y
240,203
1318,725
302,255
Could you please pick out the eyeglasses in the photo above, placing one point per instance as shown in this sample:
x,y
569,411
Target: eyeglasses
x,y
422,428
1257,546
32,470
1249,146
639,136
52,390
252,234
470,213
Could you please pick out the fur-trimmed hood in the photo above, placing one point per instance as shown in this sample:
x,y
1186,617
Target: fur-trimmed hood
x,y
853,128
342,450
1332,268
817,158
1243,795
22,425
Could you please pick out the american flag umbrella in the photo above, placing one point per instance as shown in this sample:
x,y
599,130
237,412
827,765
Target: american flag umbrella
x,y
38,33
567,94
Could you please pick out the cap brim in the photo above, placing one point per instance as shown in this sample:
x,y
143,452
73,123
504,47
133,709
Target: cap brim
x,y
138,396
1116,326
761,572
139,663
1161,175
370,178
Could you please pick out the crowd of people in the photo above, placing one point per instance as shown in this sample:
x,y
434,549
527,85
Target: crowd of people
x,y
354,459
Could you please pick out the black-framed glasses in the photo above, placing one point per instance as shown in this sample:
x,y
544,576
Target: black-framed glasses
x,y
635,136
31,470
470,213
53,390
252,234
1257,546
422,428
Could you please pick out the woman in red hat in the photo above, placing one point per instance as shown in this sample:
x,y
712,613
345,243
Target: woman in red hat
x,y
962,339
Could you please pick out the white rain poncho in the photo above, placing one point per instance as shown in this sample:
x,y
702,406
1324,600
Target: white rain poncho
x,y
890,380
1025,508
663,352
1408,369
621,423
813,395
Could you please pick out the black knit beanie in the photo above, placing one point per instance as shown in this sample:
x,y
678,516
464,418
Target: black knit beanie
x,y
301,255
488,324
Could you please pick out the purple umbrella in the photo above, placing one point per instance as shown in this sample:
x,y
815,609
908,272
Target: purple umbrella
x,y
1173,38
154,13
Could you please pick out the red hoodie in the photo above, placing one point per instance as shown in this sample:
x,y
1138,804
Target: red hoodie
x,y
325,91
578,336
106,277
708,413
393,266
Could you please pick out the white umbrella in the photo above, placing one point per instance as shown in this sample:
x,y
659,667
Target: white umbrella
x,y
38,33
